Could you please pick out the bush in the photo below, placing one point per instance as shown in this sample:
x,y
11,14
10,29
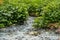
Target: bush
x,y
52,11
49,15
12,14
40,22
36,6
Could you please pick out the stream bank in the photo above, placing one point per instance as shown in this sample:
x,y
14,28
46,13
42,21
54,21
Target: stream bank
x,y
22,32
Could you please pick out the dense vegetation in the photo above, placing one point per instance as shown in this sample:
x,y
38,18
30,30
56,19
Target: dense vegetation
x,y
17,11
50,16
11,14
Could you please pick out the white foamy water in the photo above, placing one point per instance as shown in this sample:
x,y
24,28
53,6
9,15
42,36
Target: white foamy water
x,y
19,33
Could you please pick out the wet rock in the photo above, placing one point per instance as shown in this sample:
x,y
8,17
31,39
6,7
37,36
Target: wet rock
x,y
34,14
18,38
53,26
35,33
58,39
58,31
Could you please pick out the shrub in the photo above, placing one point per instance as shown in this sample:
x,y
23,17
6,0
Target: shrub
x,y
49,15
52,11
12,14
36,6
40,22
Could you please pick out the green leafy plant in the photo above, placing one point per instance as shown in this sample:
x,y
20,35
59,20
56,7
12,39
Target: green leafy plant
x,y
50,15
12,14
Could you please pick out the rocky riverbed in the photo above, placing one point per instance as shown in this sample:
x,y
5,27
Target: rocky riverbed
x,y
27,32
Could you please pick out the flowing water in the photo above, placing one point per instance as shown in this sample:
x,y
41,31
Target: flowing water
x,y
19,32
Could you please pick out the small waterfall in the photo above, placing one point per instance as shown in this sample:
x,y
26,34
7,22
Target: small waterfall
x,y
19,32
